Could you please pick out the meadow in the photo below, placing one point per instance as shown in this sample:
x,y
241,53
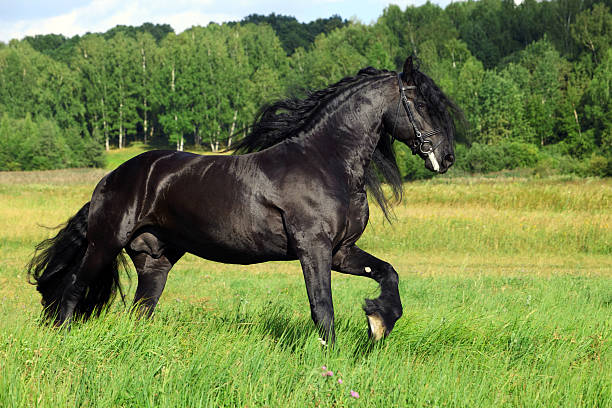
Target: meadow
x,y
506,285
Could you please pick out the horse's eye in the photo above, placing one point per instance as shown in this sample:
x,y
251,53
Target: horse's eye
x,y
420,106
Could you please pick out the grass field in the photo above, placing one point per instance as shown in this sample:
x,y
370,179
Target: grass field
x,y
506,286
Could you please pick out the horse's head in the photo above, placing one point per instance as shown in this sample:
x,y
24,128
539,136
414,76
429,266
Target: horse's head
x,y
423,119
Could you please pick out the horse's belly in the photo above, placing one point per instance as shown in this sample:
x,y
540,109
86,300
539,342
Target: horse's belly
x,y
241,256
236,237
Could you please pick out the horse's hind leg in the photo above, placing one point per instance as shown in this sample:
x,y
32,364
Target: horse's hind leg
x,y
384,311
152,276
152,269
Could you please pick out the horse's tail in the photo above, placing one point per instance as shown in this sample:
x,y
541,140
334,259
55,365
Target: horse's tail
x,y
56,262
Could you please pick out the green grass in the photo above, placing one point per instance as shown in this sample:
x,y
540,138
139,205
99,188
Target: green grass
x,y
506,286
117,156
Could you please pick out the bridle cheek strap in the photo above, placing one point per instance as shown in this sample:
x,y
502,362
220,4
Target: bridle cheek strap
x,y
422,142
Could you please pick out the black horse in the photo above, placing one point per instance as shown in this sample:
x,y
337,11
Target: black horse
x,y
298,193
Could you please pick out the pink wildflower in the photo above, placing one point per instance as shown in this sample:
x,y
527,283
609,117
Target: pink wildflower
x,y
330,373
324,368
354,394
339,380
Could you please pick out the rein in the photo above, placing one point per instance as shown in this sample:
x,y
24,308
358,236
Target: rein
x,y
421,143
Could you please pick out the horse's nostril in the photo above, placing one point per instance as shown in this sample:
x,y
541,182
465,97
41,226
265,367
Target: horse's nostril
x,y
449,158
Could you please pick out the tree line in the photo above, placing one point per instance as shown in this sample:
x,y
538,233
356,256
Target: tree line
x,y
533,80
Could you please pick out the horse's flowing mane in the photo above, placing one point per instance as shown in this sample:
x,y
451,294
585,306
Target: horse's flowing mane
x,y
438,104
291,117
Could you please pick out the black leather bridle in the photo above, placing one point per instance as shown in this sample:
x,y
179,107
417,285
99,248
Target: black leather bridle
x,y
421,142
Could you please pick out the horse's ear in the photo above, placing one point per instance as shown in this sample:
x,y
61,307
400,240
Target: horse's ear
x,y
408,67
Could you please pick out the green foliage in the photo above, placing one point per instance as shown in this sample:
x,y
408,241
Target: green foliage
x,y
28,144
55,46
212,80
539,74
46,43
340,53
157,31
558,18
535,74
557,160
593,31
485,158
501,112
293,34
599,166
484,31
598,103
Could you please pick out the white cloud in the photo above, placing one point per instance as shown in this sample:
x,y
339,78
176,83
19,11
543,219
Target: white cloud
x,y
102,15
182,21
71,17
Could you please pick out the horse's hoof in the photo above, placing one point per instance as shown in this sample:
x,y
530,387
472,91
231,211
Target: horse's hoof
x,y
376,326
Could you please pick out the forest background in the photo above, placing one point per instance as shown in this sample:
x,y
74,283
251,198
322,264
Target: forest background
x,y
533,79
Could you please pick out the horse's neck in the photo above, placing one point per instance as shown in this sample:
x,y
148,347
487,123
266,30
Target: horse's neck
x,y
350,134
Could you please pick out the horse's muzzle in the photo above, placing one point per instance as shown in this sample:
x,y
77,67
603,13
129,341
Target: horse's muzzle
x,y
448,161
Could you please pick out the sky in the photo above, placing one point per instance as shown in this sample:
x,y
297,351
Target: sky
x,y
19,18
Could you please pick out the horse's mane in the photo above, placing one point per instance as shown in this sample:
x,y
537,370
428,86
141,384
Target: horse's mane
x,y
438,104
288,118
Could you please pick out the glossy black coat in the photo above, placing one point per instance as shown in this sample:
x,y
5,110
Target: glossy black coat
x,y
303,198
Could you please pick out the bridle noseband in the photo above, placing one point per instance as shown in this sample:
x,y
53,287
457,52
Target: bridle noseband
x,y
421,142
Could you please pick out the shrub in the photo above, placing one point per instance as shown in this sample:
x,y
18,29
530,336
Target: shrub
x,y
517,154
547,166
40,144
556,160
484,158
599,166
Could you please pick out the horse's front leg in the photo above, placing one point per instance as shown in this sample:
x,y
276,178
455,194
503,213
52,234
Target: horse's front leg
x,y
315,254
384,311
